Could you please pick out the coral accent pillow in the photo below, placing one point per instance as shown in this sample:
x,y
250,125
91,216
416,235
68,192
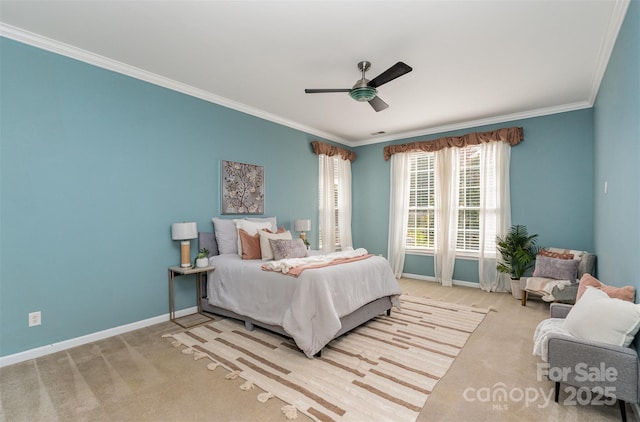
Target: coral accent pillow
x,y
251,227
627,293
250,245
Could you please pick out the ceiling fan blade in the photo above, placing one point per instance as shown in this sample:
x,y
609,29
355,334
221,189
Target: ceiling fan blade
x,y
390,74
378,104
322,91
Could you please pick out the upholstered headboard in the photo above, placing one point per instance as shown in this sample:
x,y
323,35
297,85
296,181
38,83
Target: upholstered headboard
x,y
208,240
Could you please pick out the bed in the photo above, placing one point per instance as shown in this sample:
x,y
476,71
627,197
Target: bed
x,y
313,308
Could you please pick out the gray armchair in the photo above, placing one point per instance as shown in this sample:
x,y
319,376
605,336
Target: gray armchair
x,y
567,352
568,293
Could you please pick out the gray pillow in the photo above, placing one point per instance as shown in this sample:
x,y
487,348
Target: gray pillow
x,y
226,235
559,269
283,249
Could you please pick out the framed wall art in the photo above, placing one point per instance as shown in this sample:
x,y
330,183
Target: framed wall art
x,y
242,188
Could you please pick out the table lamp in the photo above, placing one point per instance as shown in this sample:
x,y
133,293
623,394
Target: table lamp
x,y
302,226
184,232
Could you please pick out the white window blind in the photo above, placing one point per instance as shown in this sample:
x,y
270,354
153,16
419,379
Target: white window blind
x,y
421,225
421,219
336,210
468,236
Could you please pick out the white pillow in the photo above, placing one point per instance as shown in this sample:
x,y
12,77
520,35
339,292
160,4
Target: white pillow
x,y
265,246
226,235
272,220
251,227
598,317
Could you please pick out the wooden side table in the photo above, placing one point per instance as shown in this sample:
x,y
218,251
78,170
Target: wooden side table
x,y
178,271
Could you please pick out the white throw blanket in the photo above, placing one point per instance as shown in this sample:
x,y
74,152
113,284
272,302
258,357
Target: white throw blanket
x,y
544,286
285,265
541,336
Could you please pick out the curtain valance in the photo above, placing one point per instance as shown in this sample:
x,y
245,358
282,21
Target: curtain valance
x,y
331,150
511,135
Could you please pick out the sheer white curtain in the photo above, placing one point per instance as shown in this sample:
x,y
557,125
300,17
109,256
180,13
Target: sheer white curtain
x,y
343,174
446,214
495,212
327,219
335,190
398,211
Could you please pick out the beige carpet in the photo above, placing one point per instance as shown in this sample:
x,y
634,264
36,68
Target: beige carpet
x,y
384,370
138,377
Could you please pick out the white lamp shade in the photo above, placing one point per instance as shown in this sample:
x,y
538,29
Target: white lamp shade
x,y
302,225
184,231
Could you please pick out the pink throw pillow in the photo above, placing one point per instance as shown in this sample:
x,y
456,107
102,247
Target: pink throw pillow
x,y
250,245
627,293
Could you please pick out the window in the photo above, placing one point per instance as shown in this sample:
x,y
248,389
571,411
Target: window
x,y
421,227
334,203
468,237
336,213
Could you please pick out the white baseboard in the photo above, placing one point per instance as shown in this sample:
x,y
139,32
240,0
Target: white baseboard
x,y
432,279
79,341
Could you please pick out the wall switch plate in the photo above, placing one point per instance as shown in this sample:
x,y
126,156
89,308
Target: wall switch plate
x,y
35,318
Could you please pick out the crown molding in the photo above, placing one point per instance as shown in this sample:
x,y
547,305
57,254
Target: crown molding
x,y
48,44
606,49
476,123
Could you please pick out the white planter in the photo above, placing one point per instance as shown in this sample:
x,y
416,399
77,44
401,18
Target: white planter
x,y
202,262
516,288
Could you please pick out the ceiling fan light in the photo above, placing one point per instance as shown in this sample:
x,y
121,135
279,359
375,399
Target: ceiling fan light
x,y
363,93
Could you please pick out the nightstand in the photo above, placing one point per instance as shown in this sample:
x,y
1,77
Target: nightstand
x,y
178,271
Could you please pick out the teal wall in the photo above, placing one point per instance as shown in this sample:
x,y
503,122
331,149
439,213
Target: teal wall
x,y
95,166
617,159
551,188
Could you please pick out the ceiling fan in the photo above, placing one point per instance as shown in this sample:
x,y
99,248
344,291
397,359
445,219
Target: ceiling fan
x,y
365,89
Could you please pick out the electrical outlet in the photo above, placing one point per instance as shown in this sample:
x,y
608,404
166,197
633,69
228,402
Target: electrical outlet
x,y
35,318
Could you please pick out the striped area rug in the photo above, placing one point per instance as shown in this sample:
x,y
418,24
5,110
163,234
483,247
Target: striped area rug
x,y
383,370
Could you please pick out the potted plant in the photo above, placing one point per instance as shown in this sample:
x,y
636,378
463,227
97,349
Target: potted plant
x,y
518,251
202,259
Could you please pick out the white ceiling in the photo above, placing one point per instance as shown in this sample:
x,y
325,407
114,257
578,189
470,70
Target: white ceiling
x,y
474,62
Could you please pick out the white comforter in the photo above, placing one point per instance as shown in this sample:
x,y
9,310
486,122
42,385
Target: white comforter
x,y
308,307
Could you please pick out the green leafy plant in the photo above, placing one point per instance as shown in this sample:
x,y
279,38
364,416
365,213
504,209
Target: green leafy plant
x,y
202,253
518,250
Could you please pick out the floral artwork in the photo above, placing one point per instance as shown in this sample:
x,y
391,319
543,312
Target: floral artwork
x,y
242,188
